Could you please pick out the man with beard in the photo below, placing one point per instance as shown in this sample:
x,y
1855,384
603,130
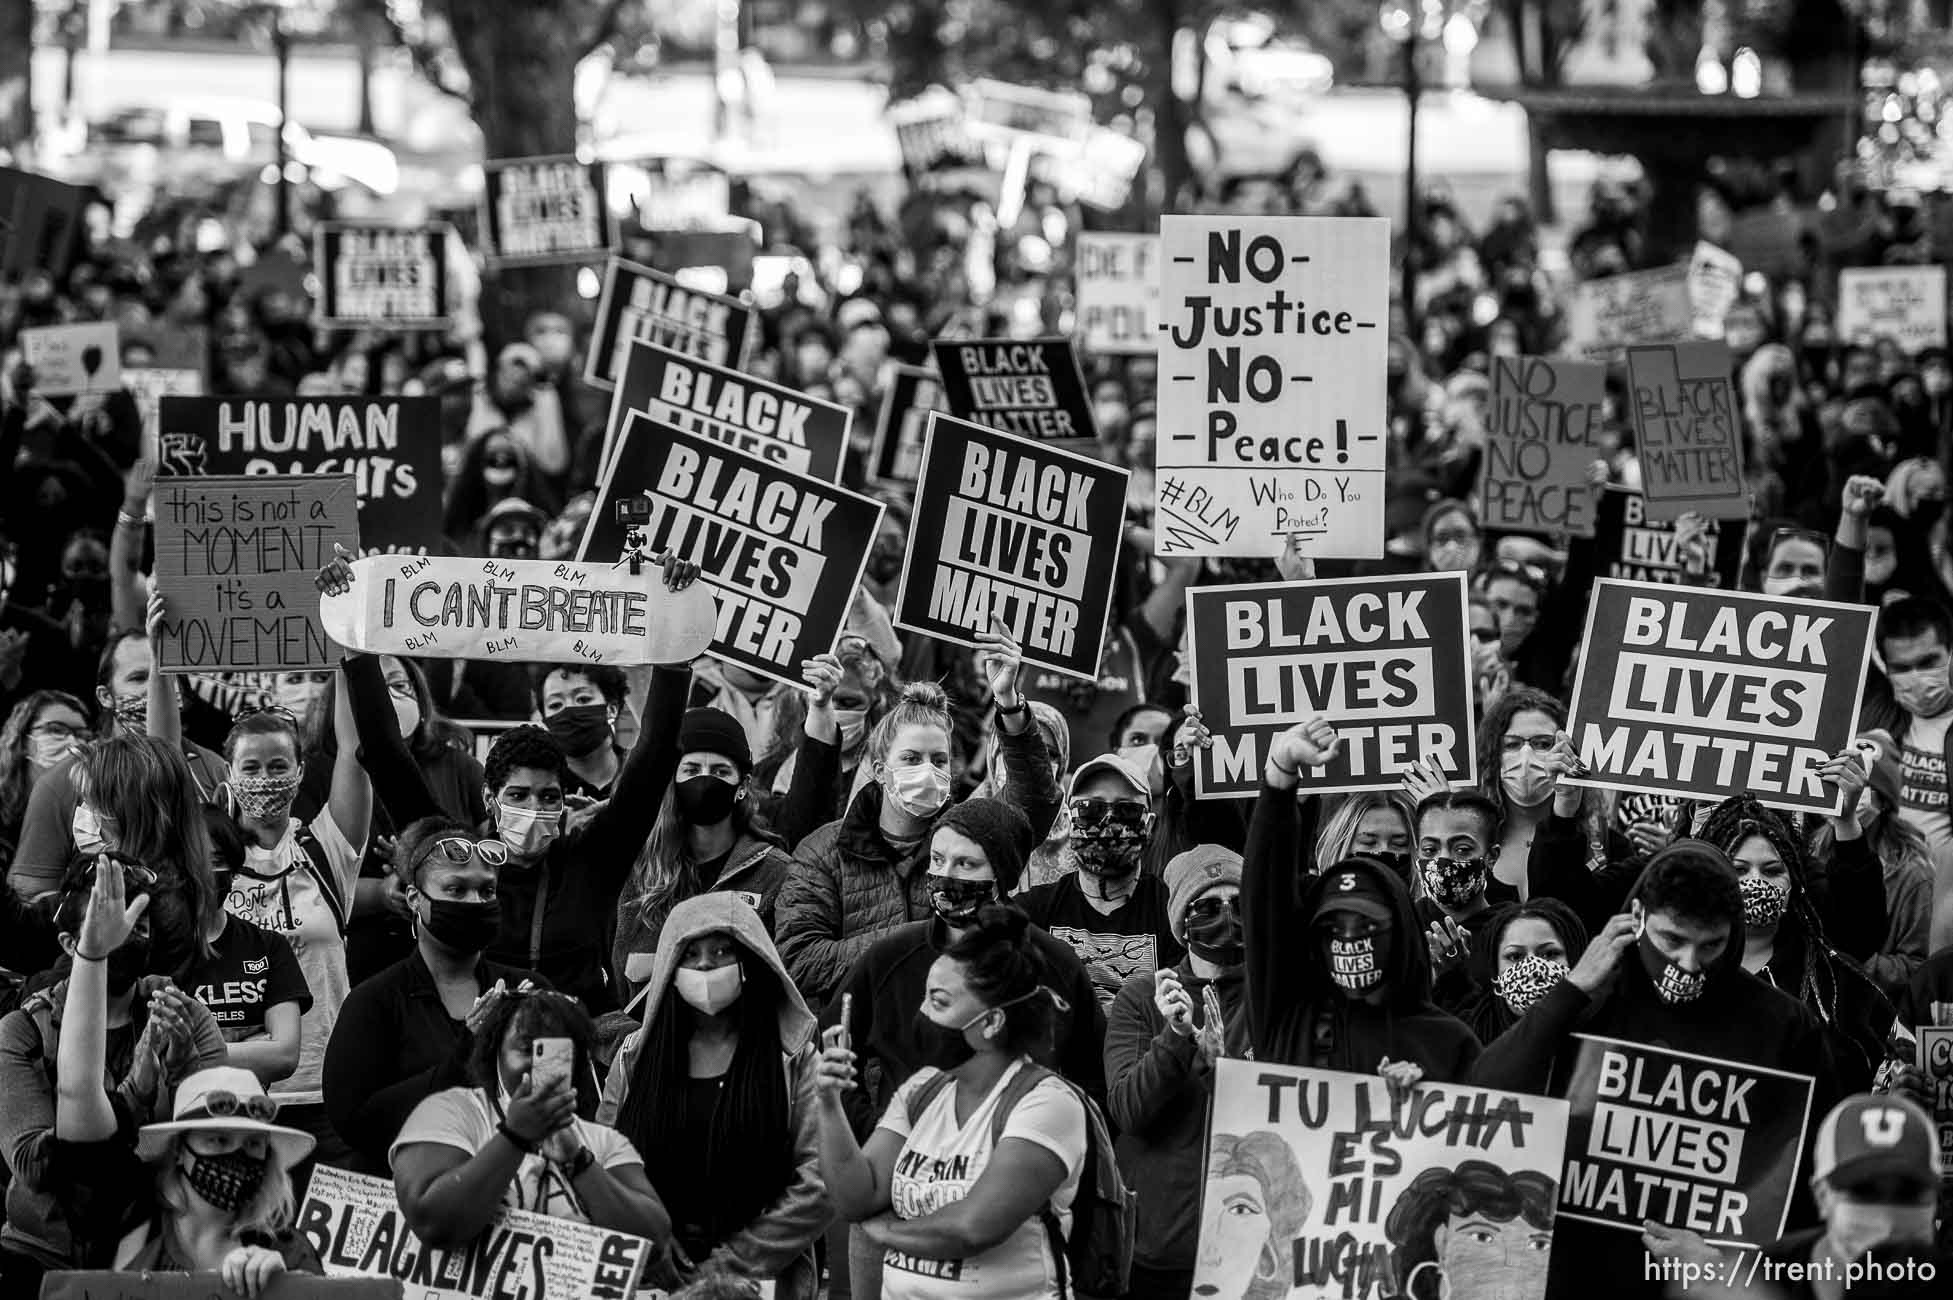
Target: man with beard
x,y
1115,918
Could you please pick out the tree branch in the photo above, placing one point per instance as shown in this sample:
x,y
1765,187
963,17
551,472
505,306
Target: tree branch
x,y
427,62
605,28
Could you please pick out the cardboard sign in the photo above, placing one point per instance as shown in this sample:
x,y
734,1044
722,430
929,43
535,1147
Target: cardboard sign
x,y
932,134
536,211
355,1224
1709,694
692,201
1017,531
390,445
40,223
1000,106
1272,385
908,397
1936,1063
71,359
235,562
203,1286
1907,303
389,277
1605,316
1688,1141
1034,390
768,420
1384,659
1351,1196
1715,281
1539,446
1687,432
782,551
1118,293
1631,546
643,305
1097,171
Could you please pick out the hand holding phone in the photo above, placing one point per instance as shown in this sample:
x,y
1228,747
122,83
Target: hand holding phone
x,y
550,1061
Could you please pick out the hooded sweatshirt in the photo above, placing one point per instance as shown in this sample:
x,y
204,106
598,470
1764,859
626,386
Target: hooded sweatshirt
x,y
779,1242
1296,1013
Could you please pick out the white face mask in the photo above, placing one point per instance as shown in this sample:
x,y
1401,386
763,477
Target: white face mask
x,y
406,711
46,751
920,788
1855,1227
87,831
527,831
710,991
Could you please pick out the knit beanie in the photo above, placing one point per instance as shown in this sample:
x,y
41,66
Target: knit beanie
x,y
1000,830
1192,874
714,731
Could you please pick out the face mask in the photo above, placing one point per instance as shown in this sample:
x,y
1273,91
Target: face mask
x,y
1525,778
132,712
920,788
1454,557
498,475
1451,883
45,751
1108,851
526,831
265,798
1879,569
1110,416
956,901
1855,1227
87,832
406,712
1525,982
884,564
704,800
462,927
854,727
1673,985
1355,964
1397,862
1217,939
580,729
228,1182
1791,587
1763,903
710,991
1923,694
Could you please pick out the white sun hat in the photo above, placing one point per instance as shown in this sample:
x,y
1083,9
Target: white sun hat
x,y
221,1099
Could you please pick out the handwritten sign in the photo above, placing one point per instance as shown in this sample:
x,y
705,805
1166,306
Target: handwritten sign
x,y
390,445
541,210
1034,390
1271,388
355,1224
1936,1063
1687,433
1118,293
70,359
1907,303
1359,1197
40,222
1631,546
1688,1141
1709,694
1605,316
670,200
393,277
908,396
1540,445
782,551
1384,658
931,132
202,1286
1097,170
643,305
235,562
1715,281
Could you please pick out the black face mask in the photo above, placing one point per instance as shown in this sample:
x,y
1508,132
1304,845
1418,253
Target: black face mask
x,y
884,565
227,1182
704,800
956,901
127,964
462,927
580,729
1397,862
1217,939
939,1045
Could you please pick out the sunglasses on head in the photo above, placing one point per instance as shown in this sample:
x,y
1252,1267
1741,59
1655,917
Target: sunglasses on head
x,y
1088,813
135,876
228,1105
458,848
275,710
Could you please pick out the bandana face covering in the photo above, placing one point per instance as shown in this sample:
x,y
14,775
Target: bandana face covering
x,y
1108,850
1354,963
1452,883
265,798
1526,981
956,901
1673,985
228,1181
132,712
1763,903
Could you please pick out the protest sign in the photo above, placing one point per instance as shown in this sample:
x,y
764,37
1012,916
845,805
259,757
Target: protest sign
x,y
908,397
540,210
1034,390
1688,1141
768,420
1715,280
1018,531
1000,106
1539,446
1906,303
1709,694
390,445
356,1225
392,277
933,135
1097,170
782,551
1356,1196
1384,659
58,1285
71,359
1936,1063
643,305
1631,546
519,611
236,560
1118,293
1688,436
1272,385
672,200
1605,316
40,223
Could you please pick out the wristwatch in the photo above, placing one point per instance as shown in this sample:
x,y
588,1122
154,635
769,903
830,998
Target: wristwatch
x,y
579,1163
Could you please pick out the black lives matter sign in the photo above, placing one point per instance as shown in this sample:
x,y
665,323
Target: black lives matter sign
x,y
541,210
392,277
1688,436
640,304
1034,390
1017,532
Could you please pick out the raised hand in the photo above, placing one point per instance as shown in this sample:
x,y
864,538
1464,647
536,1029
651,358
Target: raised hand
x,y
1602,959
1000,659
335,577
1171,999
1306,744
110,918
679,573
835,1072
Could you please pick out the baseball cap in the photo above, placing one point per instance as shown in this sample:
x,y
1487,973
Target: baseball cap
x,y
1874,1135
1347,888
1120,766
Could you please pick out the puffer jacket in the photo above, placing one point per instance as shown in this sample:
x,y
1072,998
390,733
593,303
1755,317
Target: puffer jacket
x,y
850,886
755,869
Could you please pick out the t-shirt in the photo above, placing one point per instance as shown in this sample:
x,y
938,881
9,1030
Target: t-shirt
x,y
1923,794
1134,939
249,970
463,1118
278,890
942,1160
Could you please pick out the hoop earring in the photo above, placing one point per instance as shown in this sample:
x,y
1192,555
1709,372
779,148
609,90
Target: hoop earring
x,y
1444,1282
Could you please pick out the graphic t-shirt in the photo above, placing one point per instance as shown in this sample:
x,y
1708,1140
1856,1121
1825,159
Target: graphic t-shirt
x,y
278,890
1923,795
942,1160
1135,939
464,1119
249,970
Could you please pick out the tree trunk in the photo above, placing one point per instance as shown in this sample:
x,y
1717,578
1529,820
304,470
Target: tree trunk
x,y
16,72
364,34
1539,181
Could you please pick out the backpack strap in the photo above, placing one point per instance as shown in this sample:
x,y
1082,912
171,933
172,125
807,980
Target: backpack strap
x,y
1030,1075
315,862
927,1092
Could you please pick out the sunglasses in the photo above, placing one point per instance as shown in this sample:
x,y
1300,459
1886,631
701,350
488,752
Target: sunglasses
x,y
136,877
228,1105
1212,909
1089,813
458,848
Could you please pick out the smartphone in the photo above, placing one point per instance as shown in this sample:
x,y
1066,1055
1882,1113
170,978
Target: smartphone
x,y
847,1021
550,1059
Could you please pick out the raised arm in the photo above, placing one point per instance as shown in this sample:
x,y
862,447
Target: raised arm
x,y
350,805
611,839
817,763
1276,960
857,1177
82,1112
128,589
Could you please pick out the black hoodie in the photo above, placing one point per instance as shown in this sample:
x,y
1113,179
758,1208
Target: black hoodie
x,y
1296,1013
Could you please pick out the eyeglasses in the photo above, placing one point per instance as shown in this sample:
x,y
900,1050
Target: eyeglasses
x,y
1538,744
1089,813
64,730
228,1105
458,848
135,876
1211,909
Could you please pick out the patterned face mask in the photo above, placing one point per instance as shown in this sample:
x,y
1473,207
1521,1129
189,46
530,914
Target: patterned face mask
x,y
1673,985
1451,882
1763,902
1526,981
1353,963
265,798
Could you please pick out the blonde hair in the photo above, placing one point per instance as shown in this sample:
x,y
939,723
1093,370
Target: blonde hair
x,y
923,704
269,1211
1339,831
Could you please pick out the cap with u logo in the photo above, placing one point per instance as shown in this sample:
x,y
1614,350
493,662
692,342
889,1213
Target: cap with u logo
x,y
1876,1135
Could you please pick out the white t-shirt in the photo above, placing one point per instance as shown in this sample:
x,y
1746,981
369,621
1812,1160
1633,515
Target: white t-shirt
x,y
463,1119
1923,798
942,1160
277,891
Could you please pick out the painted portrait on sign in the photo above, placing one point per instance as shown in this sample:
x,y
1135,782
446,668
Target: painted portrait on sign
x,y
1256,1200
1474,1232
